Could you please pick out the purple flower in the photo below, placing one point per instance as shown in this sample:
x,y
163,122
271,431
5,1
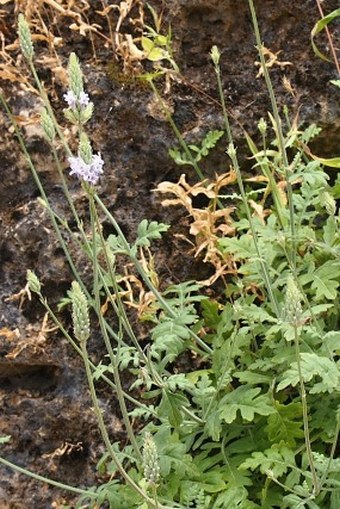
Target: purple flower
x,y
83,99
88,172
71,99
74,101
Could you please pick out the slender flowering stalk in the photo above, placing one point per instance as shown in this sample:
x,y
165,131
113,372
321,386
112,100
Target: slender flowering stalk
x,y
293,315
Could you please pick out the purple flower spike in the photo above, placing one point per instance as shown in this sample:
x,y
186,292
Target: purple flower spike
x,y
88,172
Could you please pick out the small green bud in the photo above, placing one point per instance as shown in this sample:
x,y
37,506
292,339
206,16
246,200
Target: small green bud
x,y
33,282
231,151
79,116
293,308
72,116
85,149
215,55
150,460
86,114
42,202
262,126
25,38
80,313
328,202
75,75
47,125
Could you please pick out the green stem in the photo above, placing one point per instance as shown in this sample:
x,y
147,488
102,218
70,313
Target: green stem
x,y
113,359
330,39
120,310
49,107
39,185
93,366
236,166
88,252
331,456
316,488
53,219
117,306
52,215
122,315
263,267
155,496
180,139
104,433
224,108
192,416
280,136
67,193
41,478
176,131
144,275
284,486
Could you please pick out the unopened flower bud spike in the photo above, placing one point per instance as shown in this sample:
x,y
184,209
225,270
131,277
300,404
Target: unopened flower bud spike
x,y
75,76
150,460
33,282
80,313
25,38
293,308
47,125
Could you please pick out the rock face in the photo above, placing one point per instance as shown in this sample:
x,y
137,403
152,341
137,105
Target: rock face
x,y
285,29
134,141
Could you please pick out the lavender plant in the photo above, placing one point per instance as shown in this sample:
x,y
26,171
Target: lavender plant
x,y
254,421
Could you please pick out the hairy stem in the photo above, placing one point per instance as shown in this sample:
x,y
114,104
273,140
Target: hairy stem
x,y
41,478
234,160
280,136
113,359
93,366
316,487
144,275
104,433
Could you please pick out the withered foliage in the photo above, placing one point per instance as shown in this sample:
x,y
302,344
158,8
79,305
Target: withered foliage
x,y
208,224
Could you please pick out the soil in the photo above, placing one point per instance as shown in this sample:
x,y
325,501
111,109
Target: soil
x,y
44,397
